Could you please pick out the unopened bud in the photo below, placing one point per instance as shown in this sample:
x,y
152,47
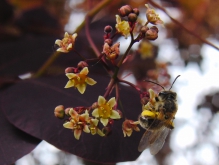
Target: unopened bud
x,y
94,105
59,112
154,28
144,29
152,33
71,70
136,11
67,111
108,29
106,130
82,64
132,17
125,10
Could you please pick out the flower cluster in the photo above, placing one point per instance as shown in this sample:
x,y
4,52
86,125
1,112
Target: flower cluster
x,y
99,117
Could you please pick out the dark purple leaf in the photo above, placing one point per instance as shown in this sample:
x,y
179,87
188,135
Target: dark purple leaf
x,y
30,104
14,143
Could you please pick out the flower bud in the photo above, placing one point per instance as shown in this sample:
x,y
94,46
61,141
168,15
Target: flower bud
x,y
108,29
152,33
136,11
132,17
82,64
125,10
94,105
71,70
67,111
59,112
144,29
109,42
154,28
106,130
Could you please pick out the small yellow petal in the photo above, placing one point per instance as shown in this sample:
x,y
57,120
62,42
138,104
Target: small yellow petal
x,y
104,121
90,81
68,125
151,93
69,84
100,132
66,35
73,113
118,19
112,102
85,115
69,46
58,42
115,115
77,134
124,133
95,121
86,129
95,113
129,133
84,71
62,50
71,75
81,88
101,100
74,36
136,129
146,5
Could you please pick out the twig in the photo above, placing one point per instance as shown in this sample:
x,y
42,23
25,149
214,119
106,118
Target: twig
x,y
55,55
96,51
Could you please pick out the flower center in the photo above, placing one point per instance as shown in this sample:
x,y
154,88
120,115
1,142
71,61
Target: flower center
x,y
80,79
104,111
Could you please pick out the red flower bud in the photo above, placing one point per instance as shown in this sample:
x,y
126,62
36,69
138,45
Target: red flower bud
x,y
108,29
59,112
132,17
125,10
82,64
136,11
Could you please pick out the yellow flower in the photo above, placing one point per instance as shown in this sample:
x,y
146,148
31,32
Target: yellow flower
x,y
105,110
79,80
122,26
128,126
94,129
111,52
146,50
78,123
67,43
152,16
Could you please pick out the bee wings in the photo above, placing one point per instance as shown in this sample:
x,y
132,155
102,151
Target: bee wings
x,y
153,140
156,146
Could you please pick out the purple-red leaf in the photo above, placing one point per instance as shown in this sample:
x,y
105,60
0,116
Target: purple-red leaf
x,y
30,104
14,143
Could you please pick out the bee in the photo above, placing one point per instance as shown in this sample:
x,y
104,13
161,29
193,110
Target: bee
x,y
157,118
